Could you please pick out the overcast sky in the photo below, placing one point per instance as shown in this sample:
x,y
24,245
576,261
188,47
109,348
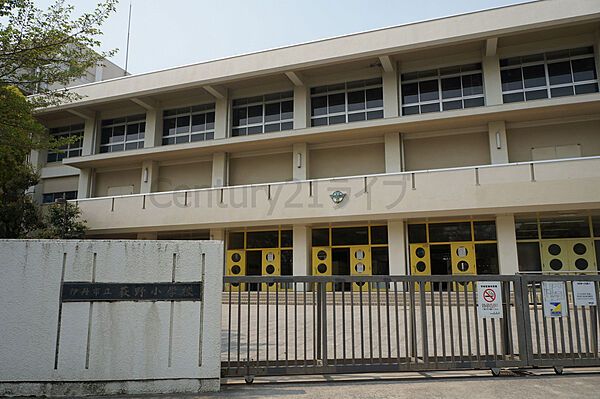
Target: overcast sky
x,y
169,33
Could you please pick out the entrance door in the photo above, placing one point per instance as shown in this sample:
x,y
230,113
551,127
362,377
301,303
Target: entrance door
x,y
360,264
568,255
236,266
321,263
441,263
271,266
254,267
463,261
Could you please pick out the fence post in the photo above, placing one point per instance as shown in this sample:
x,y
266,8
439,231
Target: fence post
x,y
323,291
523,320
317,287
506,330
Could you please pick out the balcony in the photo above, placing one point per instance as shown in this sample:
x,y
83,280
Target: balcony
x,y
555,185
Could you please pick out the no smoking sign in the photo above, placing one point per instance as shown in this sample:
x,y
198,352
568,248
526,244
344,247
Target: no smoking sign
x,y
489,295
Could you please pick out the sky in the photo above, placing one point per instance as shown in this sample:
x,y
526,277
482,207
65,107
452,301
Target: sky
x,y
170,33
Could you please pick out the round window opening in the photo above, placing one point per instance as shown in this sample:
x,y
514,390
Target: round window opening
x,y
421,266
360,267
271,284
235,284
359,254
581,264
270,269
322,268
579,248
420,252
322,255
461,252
270,257
462,266
235,269
360,283
556,264
236,257
554,249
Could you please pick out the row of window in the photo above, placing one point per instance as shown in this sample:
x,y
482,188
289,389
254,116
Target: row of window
x,y
50,198
545,75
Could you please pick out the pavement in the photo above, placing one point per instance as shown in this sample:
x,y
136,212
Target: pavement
x,y
539,383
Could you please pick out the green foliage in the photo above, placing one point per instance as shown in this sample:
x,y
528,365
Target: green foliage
x,y
18,215
63,221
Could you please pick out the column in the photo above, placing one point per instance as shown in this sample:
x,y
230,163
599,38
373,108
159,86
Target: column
x,y
301,250
222,116
37,159
84,186
219,170
150,235
498,143
300,161
89,133
397,248
149,183
390,94
301,107
393,153
490,65
507,244
153,133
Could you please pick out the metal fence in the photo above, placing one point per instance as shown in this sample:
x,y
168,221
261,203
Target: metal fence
x,y
343,324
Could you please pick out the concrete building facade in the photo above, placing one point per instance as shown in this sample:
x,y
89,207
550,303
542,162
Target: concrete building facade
x,y
463,145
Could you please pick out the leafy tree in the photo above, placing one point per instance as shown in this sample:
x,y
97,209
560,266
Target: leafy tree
x,y
39,49
63,221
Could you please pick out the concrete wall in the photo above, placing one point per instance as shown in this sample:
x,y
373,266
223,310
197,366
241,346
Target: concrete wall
x,y
104,181
80,348
522,139
260,169
189,175
347,161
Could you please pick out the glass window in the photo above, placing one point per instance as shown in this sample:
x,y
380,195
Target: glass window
x,y
486,258
346,102
458,87
262,239
596,226
379,235
484,230
380,261
121,134
286,239
349,236
68,150
568,72
189,124
287,262
320,237
572,227
529,256
417,233
526,229
50,198
262,114
448,232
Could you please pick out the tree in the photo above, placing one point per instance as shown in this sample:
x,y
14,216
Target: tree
x,y
62,220
38,49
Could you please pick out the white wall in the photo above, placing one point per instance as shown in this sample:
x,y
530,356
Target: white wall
x,y
133,343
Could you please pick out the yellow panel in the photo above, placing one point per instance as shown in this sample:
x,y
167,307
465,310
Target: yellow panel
x,y
360,263
581,255
463,263
555,255
321,263
420,261
236,266
271,266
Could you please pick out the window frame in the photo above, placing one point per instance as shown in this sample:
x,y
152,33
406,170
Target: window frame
x,y
284,96
72,130
126,121
202,109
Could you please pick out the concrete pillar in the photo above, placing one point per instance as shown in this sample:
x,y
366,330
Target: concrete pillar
x,y
507,244
222,116
393,153
390,94
84,186
37,158
149,183
219,170
497,141
301,255
90,142
300,161
491,80
397,248
301,107
150,235
217,234
153,134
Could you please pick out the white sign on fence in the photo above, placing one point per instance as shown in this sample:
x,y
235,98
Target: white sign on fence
x,y
489,297
584,293
555,299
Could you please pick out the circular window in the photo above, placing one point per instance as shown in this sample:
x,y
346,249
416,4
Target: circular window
x,y
579,248
462,266
270,257
359,254
322,255
581,264
360,283
360,267
235,269
236,257
420,252
270,269
556,264
322,268
235,284
554,249
461,252
271,284
421,266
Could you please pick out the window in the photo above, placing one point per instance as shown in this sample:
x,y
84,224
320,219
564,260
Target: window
x,y
346,102
49,198
189,124
442,89
555,74
69,150
263,114
123,133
